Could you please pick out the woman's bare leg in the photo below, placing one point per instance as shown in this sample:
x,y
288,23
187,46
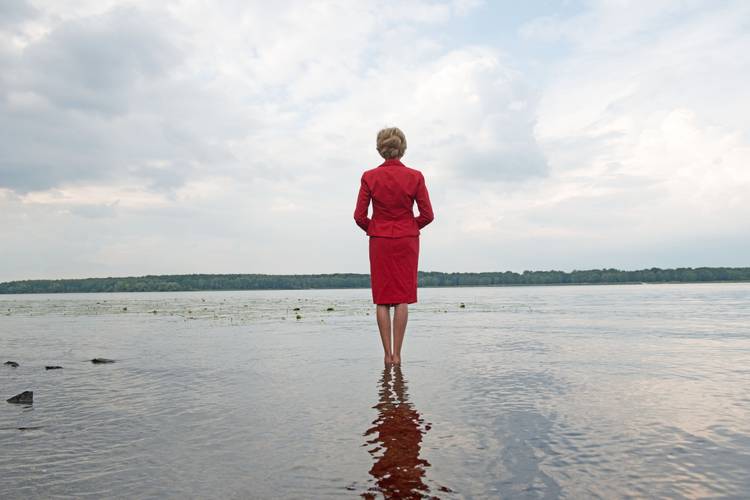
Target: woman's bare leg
x,y
383,314
400,318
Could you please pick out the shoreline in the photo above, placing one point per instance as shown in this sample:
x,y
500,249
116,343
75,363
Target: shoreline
x,y
501,285
197,282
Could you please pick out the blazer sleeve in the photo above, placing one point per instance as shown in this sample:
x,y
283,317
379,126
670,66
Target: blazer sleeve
x,y
363,203
423,204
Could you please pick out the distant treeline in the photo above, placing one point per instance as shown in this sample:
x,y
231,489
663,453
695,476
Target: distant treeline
x,y
193,282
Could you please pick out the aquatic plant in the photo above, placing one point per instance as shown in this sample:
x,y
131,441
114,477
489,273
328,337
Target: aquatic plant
x,y
98,361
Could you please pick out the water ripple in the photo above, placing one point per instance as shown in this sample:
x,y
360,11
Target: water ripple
x,y
533,392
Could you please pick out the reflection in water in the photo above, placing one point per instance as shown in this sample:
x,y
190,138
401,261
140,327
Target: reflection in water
x,y
397,433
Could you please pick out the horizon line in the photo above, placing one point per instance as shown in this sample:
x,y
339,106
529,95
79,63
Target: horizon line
x,y
367,273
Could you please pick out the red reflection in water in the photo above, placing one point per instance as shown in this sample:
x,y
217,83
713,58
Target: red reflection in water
x,y
397,436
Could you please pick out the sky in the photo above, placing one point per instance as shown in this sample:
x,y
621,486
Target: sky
x,y
187,136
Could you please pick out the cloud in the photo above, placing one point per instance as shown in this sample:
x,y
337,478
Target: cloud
x,y
233,134
165,95
15,13
97,63
65,101
648,109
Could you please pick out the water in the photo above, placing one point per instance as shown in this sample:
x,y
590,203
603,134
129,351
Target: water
x,y
528,392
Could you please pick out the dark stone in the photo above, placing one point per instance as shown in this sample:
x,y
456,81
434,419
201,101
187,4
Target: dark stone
x,y
97,361
329,309
12,364
55,367
26,397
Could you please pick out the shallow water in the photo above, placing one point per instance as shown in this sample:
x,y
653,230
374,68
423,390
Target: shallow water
x,y
527,392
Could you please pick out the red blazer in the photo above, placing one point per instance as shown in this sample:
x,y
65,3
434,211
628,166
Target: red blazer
x,y
393,188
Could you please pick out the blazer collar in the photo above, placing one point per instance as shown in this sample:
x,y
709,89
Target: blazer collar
x,y
392,161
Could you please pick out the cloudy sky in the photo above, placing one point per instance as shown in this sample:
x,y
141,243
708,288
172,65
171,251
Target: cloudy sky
x,y
141,137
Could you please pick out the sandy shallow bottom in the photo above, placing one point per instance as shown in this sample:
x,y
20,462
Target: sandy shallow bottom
x,y
528,392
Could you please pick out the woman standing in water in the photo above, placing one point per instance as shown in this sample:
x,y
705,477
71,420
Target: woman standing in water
x,y
394,236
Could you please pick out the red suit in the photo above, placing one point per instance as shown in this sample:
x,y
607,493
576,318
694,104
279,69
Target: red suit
x,y
393,229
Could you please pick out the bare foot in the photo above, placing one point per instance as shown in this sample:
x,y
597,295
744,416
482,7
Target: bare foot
x,y
396,360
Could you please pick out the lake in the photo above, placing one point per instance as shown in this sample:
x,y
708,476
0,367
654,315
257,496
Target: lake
x,y
524,392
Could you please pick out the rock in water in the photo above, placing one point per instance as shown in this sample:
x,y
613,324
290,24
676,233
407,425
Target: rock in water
x,y
26,397
97,361
12,364
53,367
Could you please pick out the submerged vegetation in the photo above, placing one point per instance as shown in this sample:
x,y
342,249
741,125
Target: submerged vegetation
x,y
196,282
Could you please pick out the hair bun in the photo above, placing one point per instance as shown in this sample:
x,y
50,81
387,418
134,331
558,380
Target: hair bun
x,y
391,143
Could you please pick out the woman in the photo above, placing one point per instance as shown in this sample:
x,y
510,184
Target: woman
x,y
394,235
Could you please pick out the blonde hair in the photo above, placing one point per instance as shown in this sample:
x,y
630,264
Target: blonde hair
x,y
391,143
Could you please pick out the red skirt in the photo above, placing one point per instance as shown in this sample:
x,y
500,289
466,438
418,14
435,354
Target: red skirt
x,y
393,269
